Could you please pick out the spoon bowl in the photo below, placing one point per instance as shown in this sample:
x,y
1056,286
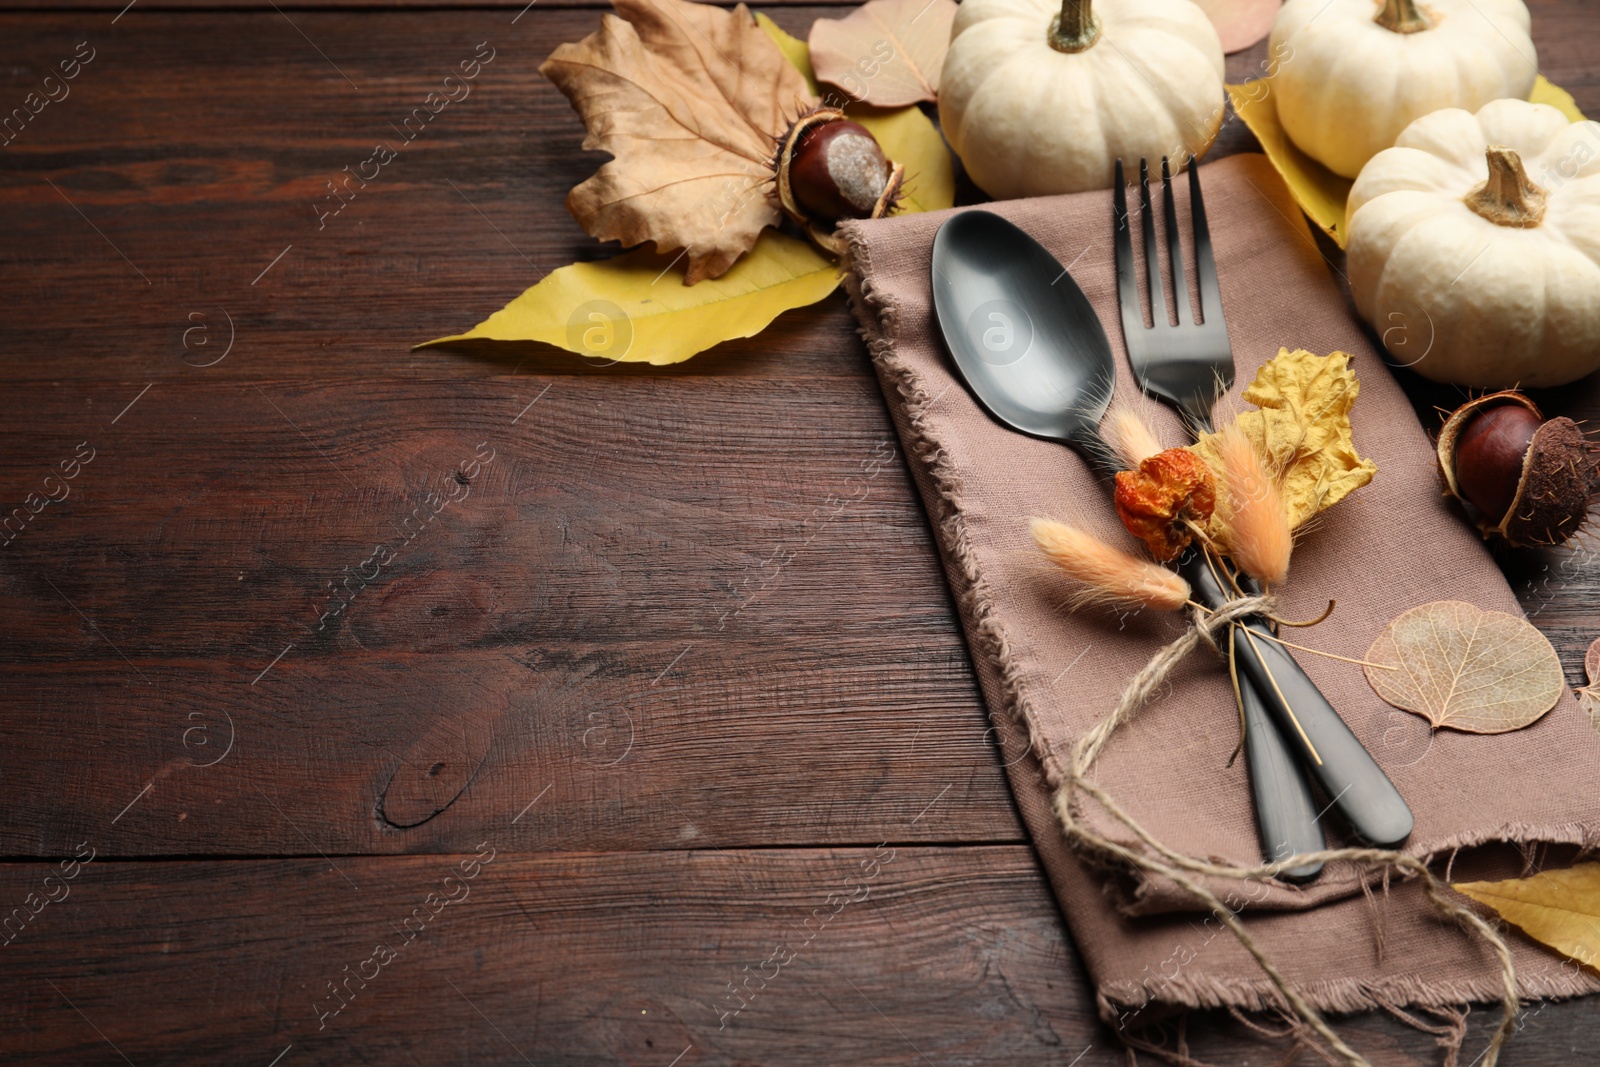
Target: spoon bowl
x,y
1022,334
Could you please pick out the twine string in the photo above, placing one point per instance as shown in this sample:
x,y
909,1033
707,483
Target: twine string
x,y
1180,869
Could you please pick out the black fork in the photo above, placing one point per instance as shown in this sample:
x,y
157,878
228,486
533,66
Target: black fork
x,y
1189,364
1286,717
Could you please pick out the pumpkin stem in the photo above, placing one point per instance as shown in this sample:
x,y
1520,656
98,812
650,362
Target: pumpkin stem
x,y
1403,16
1076,28
1508,198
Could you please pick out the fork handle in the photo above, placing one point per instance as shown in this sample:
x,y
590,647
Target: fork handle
x,y
1328,751
1286,812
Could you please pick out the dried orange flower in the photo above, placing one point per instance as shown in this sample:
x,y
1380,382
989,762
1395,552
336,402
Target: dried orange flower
x,y
1154,500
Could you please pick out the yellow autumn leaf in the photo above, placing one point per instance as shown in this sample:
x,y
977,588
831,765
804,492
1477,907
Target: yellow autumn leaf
x,y
635,307
1547,92
793,48
905,134
1321,193
908,137
1301,428
1556,908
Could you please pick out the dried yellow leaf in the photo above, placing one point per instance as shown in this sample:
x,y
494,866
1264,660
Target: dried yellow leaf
x,y
636,307
796,51
1302,432
1556,908
1456,665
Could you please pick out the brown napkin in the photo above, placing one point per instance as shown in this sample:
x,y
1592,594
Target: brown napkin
x,y
1391,546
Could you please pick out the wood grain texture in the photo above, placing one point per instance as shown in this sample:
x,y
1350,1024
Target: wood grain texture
x,y
421,753
636,593
565,959
197,184
620,510
878,955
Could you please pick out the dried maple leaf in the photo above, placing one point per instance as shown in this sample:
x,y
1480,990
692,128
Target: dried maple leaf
x,y
1556,908
1589,695
1456,665
887,53
1301,430
689,99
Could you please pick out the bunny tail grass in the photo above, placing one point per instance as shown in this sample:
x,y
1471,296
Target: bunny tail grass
x,y
1130,435
1258,522
1107,575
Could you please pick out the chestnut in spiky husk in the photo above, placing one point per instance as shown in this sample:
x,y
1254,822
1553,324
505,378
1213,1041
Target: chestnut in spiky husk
x,y
1526,480
828,169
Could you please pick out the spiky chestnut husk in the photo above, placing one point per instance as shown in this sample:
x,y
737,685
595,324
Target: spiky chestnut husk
x,y
828,168
1545,469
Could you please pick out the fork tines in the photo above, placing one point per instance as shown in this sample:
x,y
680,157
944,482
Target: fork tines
x,y
1189,361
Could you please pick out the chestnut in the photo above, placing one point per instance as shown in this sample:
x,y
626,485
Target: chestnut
x,y
1528,481
828,168
1490,453
838,171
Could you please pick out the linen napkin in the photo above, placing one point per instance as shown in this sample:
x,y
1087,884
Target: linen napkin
x,y
1051,674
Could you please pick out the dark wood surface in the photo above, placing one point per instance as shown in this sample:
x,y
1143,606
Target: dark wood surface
x,y
583,665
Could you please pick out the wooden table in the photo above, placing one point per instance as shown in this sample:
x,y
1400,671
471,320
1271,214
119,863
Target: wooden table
x,y
575,738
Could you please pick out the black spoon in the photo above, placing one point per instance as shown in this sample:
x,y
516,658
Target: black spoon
x,y
1032,350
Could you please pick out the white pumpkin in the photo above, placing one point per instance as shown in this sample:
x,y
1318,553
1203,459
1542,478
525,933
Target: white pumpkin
x,y
1474,246
1349,75
1043,96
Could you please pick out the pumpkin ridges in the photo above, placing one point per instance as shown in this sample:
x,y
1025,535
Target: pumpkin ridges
x,y
1502,306
953,107
1187,92
1327,114
1343,120
1405,238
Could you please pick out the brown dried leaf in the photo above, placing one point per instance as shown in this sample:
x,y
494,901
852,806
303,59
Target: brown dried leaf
x,y
689,99
1589,695
1240,23
887,53
1483,672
